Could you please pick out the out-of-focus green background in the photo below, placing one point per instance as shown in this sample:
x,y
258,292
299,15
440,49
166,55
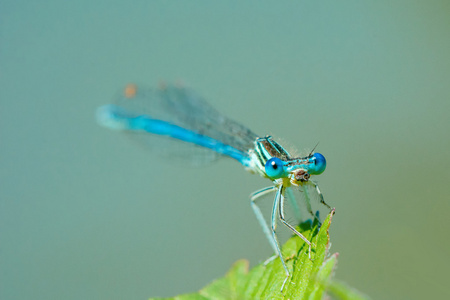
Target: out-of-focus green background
x,y
86,214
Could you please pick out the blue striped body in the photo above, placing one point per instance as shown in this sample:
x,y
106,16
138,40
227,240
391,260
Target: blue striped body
x,y
116,118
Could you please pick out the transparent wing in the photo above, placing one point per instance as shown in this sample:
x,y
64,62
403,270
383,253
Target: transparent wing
x,y
175,151
182,107
304,202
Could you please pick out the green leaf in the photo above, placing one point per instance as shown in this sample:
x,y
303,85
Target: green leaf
x,y
310,278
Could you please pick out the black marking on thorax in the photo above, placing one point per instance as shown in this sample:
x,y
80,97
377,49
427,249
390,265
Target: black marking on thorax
x,y
267,148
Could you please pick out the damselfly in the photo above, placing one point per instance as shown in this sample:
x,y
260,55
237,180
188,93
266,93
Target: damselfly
x,y
178,114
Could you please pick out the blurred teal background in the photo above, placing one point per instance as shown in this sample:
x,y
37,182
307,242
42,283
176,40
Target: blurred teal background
x,y
86,214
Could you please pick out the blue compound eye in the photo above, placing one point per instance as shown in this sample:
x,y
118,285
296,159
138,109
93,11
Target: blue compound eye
x,y
274,168
320,164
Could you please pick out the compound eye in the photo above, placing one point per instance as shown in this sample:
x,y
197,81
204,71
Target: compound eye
x,y
320,164
274,168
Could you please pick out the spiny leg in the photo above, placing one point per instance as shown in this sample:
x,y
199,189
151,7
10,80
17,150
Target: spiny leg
x,y
308,201
259,216
276,202
320,193
282,218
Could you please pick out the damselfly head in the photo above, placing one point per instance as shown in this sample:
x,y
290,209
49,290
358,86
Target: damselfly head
x,y
299,176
